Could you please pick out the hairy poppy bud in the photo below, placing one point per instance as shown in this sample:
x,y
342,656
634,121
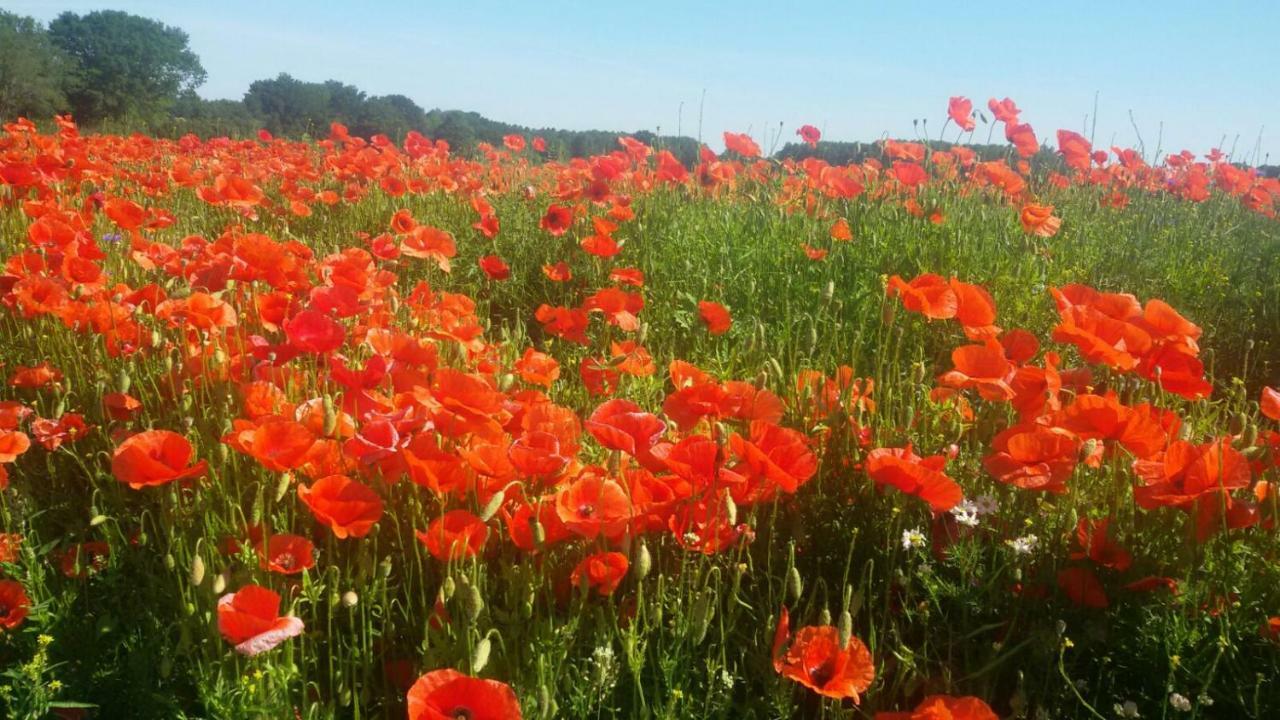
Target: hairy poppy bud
x,y
384,567
700,616
472,602
644,562
730,509
480,656
169,562
197,571
795,585
824,617
219,583
124,381
448,588
845,627
282,485
539,532
97,520
1088,448
506,381
330,416
350,599
491,508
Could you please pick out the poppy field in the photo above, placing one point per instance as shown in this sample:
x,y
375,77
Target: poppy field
x,y
366,427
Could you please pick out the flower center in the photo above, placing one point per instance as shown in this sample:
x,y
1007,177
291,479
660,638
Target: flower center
x,y
461,713
586,510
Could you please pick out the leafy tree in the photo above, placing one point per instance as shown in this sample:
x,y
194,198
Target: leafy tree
x,y
289,106
126,66
32,70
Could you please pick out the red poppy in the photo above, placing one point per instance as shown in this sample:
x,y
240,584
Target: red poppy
x,y
1096,545
742,144
36,376
715,316
624,425
51,434
1270,403
1033,456
314,332
944,707
960,109
349,508
430,243
601,572
449,695
559,272
810,135
456,535
537,368
593,505
914,475
840,231
13,443
155,457
568,323
250,620
494,267
982,367
121,406
14,604
1082,587
928,294
557,220
514,143
815,659
1185,472
84,559
1075,149
1039,220
775,458
287,554
1005,110
278,444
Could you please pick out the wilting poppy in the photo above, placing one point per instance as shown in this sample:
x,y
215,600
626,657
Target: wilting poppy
x,y
14,604
456,535
155,457
349,508
449,695
601,572
815,659
250,620
1039,220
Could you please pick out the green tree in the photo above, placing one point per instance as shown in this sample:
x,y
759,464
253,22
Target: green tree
x,y
32,70
125,66
289,106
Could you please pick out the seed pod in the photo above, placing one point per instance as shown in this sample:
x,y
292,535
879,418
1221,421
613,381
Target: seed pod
x,y
845,627
197,570
350,599
472,602
644,561
795,585
480,656
491,508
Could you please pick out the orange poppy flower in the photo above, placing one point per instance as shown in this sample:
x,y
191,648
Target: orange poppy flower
x,y
715,316
456,535
249,619
983,367
1075,149
1185,472
1270,403
840,231
121,406
556,220
14,604
428,243
960,109
914,475
559,272
810,135
593,505
815,659
742,144
13,443
347,507
287,554
1005,111
601,572
928,294
776,458
537,368
944,707
447,694
1039,220
36,376
155,457
624,425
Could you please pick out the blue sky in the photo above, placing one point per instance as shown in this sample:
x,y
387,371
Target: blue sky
x,y
855,70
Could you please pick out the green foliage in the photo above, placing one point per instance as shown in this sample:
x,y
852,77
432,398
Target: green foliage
x,y
126,66
32,70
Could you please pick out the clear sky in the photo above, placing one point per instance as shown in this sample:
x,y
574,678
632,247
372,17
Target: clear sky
x,y
857,70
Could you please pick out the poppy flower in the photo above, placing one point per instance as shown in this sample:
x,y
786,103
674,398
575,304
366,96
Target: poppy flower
x,y
495,268
14,604
810,135
277,444
449,695
1185,472
944,707
537,368
624,425
155,457
1005,111
568,323
1082,587
1096,545
777,457
121,406
10,544
557,220
36,376
715,316
13,443
815,659
1034,456
1075,149
960,109
840,231
514,143
1270,403
287,554
593,505
742,144
558,272
601,572
429,243
456,535
1039,220
914,475
349,508
314,332
982,367
928,294
250,620
51,434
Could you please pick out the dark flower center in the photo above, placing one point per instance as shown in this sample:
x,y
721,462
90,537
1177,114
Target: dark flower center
x,y
586,510
461,713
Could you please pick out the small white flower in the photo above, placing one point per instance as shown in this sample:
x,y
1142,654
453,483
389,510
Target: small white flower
x,y
986,504
1179,702
913,538
966,513
726,679
1024,545
1204,700
1128,710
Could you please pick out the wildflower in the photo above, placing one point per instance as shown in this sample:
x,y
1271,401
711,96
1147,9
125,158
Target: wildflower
x,y
966,513
913,539
154,457
816,659
14,604
1024,545
443,694
248,619
985,504
1129,709
1179,702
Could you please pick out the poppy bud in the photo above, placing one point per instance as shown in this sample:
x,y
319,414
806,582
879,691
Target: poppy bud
x,y
1185,433
1237,423
344,696
168,363
845,627
224,452
1250,435
384,567
506,381
777,368
448,588
472,602
700,615
166,667
219,582
762,378
813,338
1088,448
526,609
829,291
539,532
824,617
795,585
480,656
643,333
887,311
282,485
124,381
730,509
491,508
169,562
330,416
1253,452
918,372
644,561
736,582
197,571
350,599
97,520
155,341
